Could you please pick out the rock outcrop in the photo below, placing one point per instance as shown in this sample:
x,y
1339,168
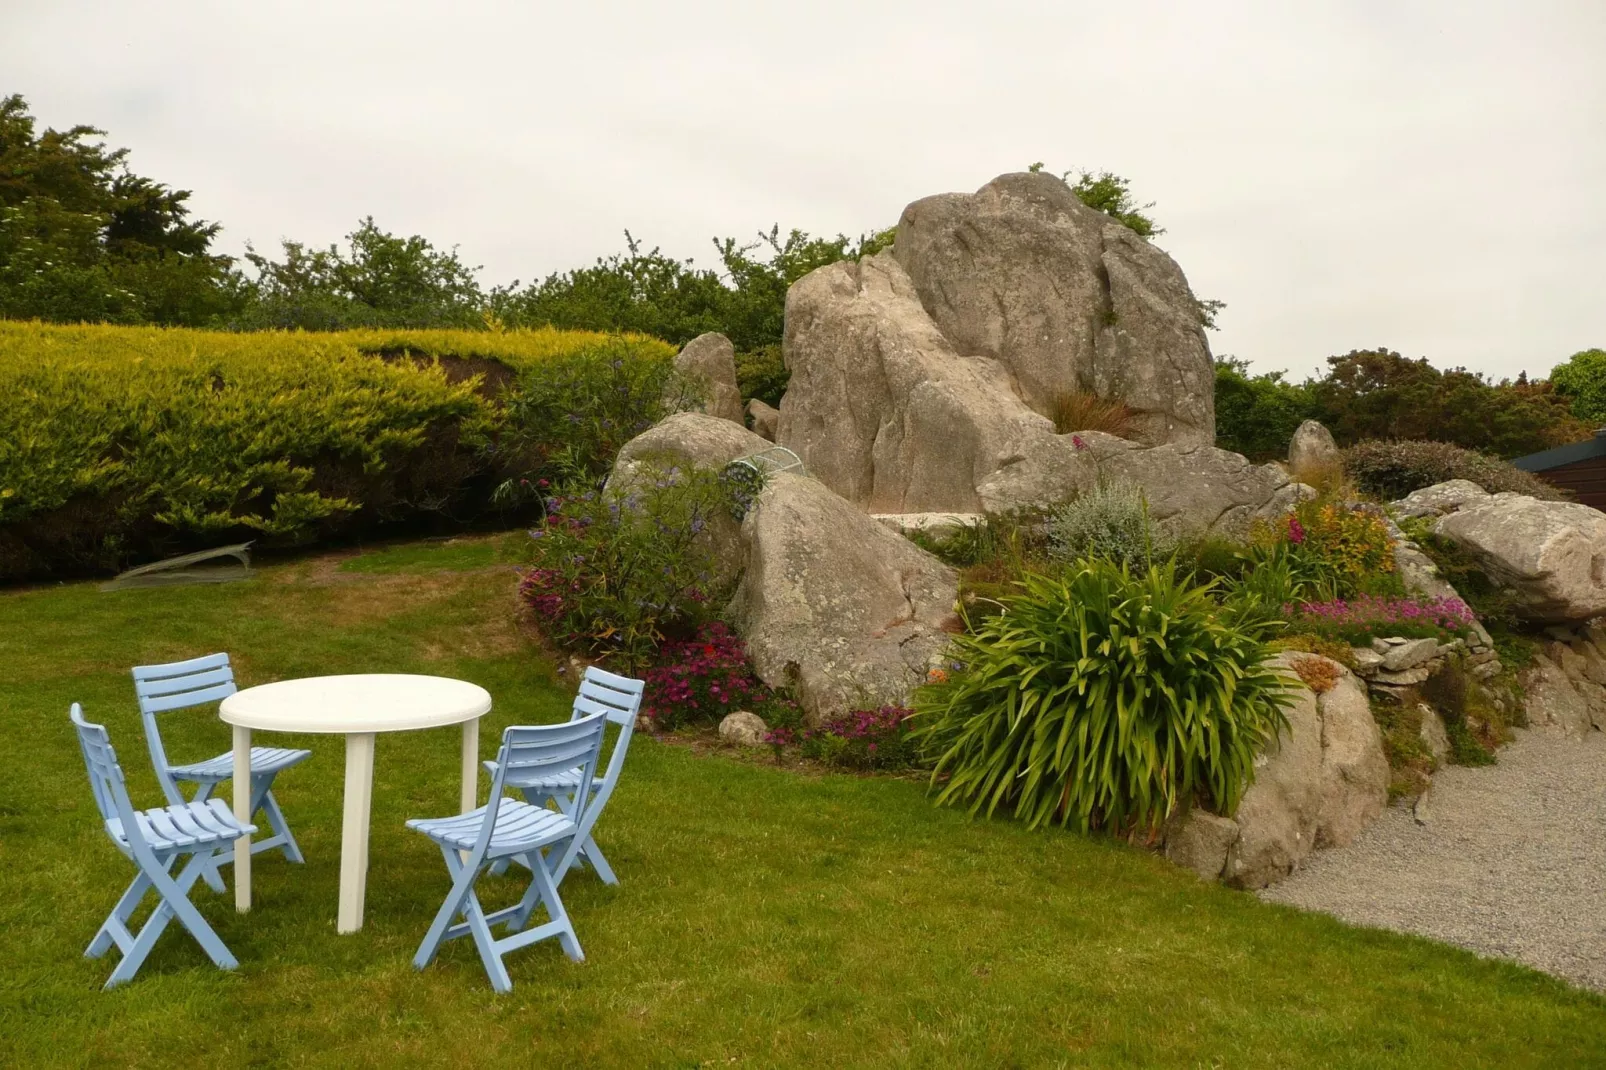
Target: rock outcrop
x,y
881,408
1312,448
708,365
884,411
1322,781
1065,300
1551,556
833,604
1188,488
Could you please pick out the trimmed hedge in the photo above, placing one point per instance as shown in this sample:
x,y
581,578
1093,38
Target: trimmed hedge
x,y
126,443
1392,470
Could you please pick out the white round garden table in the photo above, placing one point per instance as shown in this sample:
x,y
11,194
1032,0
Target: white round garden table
x,y
357,707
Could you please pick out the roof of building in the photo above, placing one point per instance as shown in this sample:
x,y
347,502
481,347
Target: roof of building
x,y
1571,453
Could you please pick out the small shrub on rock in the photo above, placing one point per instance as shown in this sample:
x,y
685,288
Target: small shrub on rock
x,y
1392,470
1102,699
1081,411
1111,521
1319,674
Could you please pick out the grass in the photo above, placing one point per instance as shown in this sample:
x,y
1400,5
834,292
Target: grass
x,y
765,918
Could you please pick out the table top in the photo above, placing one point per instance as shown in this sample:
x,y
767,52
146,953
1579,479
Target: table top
x,y
370,702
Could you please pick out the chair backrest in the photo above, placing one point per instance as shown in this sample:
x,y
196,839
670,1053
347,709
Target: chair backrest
x,y
106,777
532,751
619,699
175,686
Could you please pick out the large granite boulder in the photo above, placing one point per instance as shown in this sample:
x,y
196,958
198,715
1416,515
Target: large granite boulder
x,y
708,367
1065,299
1317,785
1550,555
881,408
836,605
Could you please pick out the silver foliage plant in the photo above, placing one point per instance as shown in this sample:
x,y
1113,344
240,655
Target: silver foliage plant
x,y
1111,522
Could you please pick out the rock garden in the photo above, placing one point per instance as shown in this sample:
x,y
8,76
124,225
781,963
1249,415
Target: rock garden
x,y
985,537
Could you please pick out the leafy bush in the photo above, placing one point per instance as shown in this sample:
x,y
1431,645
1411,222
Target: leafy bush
x,y
700,680
1102,699
1256,415
863,739
1111,521
1319,674
1309,643
614,577
1358,622
761,374
1394,469
1347,550
571,414
121,443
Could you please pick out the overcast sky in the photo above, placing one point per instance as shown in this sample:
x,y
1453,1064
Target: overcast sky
x,y
1428,176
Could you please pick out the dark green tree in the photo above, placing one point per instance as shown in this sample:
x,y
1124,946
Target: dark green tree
x,y
82,238
382,281
1256,415
1582,381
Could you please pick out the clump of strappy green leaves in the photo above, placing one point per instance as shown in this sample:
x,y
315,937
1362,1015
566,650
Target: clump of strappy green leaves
x,y
1103,699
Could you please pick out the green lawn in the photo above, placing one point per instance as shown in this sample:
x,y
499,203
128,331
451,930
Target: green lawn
x,y
765,918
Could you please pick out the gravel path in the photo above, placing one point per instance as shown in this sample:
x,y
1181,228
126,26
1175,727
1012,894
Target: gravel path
x,y
1511,861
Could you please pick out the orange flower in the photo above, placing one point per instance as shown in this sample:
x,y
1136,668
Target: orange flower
x,y
937,676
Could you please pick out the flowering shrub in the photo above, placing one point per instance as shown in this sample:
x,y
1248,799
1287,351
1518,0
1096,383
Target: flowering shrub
x,y
1350,547
1357,622
616,576
700,679
862,739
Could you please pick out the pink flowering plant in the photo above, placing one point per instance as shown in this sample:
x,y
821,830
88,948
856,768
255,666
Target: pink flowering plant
x,y
1359,620
862,739
701,679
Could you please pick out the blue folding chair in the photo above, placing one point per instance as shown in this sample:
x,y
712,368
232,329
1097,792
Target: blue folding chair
x,y
619,699
511,828
181,684
153,840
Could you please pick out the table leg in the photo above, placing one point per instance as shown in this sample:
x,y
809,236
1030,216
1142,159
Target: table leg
x,y
242,814
354,830
471,765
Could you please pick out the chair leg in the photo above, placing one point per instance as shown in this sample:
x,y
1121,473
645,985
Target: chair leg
x,y
116,923
270,807
475,916
555,909
462,883
174,903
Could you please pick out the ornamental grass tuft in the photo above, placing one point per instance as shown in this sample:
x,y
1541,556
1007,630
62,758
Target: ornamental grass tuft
x,y
1103,699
